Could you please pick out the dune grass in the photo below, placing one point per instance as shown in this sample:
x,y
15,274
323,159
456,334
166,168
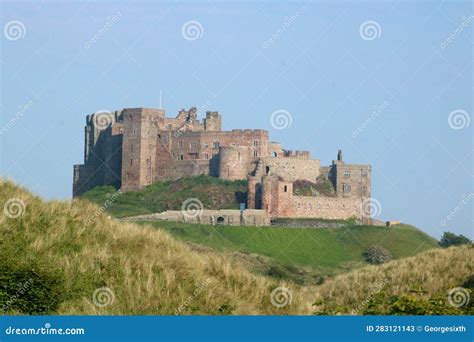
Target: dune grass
x,y
415,285
70,258
71,250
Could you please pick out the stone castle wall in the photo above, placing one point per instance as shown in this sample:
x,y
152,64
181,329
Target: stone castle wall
x,y
290,168
278,199
139,146
213,217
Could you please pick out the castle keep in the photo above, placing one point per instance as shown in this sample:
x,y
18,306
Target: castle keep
x,y
134,147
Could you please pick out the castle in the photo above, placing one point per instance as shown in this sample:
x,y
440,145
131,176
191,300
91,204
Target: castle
x,y
135,147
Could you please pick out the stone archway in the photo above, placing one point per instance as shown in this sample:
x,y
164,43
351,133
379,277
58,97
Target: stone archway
x,y
220,220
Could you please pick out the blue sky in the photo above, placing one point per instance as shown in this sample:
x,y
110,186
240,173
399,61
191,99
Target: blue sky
x,y
376,79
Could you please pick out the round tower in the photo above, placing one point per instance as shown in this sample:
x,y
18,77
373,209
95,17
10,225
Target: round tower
x,y
233,162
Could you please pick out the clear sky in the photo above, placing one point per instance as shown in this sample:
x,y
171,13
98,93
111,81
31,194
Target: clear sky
x,y
390,83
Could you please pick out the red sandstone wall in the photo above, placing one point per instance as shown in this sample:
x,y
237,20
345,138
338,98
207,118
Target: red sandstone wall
x,y
321,207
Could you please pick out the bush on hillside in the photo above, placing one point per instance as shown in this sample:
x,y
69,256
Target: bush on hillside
x,y
377,255
27,290
451,239
413,304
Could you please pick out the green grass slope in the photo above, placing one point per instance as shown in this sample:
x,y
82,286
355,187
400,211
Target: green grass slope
x,y
214,193
323,250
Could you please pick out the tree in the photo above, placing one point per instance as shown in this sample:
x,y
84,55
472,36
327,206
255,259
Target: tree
x,y
377,255
451,239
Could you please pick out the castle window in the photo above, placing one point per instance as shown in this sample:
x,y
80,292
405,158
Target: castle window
x,y
346,188
255,153
364,173
285,189
274,154
206,145
215,144
238,155
181,157
255,143
206,156
267,169
148,161
347,173
131,162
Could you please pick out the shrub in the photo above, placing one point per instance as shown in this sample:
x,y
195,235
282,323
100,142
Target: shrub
x,y
377,255
226,309
451,239
29,291
277,271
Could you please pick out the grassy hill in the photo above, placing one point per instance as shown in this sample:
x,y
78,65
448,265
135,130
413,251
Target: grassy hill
x,y
60,257
300,254
214,193
322,251
70,258
420,285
